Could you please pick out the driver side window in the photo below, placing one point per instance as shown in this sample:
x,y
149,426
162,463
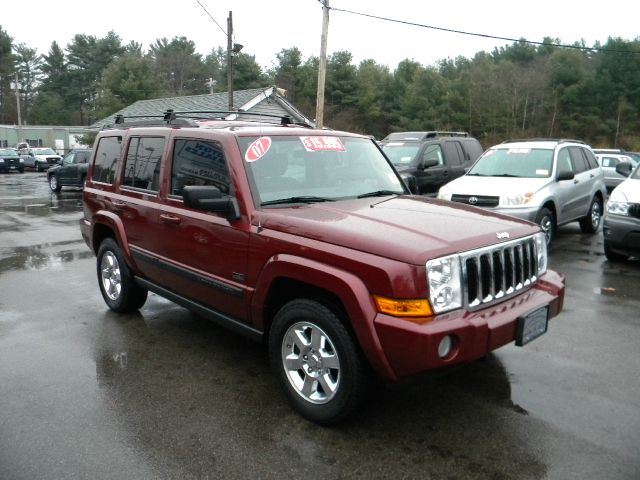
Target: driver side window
x,y
433,152
564,161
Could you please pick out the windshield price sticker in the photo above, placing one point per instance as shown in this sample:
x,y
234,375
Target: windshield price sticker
x,y
519,151
323,144
258,149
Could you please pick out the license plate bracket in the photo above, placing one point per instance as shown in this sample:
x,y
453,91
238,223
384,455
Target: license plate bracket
x,y
531,326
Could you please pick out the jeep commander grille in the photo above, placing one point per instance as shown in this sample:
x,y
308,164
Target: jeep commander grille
x,y
494,273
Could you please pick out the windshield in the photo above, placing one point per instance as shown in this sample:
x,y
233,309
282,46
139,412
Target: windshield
x,y
636,173
293,169
44,151
401,153
7,151
514,162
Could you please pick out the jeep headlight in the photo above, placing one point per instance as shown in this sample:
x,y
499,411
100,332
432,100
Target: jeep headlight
x,y
618,205
444,278
516,200
541,249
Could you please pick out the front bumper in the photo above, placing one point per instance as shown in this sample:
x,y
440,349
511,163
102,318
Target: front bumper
x,y
412,348
622,233
529,213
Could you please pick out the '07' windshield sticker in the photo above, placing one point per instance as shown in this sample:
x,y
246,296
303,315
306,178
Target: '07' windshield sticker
x,y
258,149
323,144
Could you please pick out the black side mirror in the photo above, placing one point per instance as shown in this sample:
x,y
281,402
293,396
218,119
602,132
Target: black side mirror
x,y
429,163
624,169
566,175
210,198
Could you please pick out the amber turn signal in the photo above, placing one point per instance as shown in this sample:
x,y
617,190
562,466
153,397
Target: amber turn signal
x,y
403,308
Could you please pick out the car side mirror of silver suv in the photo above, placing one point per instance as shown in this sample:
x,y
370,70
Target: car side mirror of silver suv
x,y
566,175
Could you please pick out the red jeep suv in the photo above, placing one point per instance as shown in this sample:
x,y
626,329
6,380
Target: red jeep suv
x,y
309,241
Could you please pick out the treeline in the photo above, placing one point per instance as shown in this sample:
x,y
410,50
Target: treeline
x,y
518,91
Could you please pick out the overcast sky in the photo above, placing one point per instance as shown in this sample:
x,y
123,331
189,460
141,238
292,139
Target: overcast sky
x,y
265,27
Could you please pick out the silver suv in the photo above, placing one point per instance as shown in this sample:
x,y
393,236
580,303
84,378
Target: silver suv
x,y
549,182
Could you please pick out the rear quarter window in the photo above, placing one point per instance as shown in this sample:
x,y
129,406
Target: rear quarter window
x,y
142,164
107,155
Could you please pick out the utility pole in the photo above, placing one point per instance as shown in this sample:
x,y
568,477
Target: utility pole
x,y
17,89
229,61
322,68
17,85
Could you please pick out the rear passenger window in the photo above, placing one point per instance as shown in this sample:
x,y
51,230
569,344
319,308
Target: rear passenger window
x,y
591,159
198,162
578,159
107,154
454,153
142,165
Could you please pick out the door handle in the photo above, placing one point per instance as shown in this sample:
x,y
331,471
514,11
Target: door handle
x,y
118,204
575,182
170,219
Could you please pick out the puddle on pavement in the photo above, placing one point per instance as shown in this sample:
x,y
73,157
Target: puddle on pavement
x,y
46,256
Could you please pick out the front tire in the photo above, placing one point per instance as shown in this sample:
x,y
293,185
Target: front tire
x,y
54,185
547,222
120,291
317,362
591,222
611,255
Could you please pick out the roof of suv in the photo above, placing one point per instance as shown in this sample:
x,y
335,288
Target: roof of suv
x,y
544,143
420,136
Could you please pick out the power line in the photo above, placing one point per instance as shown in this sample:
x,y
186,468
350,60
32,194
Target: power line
x,y
211,17
461,32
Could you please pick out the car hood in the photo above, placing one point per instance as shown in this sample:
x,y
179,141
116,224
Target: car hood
x,y
630,188
495,186
406,228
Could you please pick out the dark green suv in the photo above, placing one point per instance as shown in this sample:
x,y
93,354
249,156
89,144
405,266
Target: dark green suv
x,y
428,160
72,171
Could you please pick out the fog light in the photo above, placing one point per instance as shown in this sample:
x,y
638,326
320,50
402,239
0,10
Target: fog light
x,y
444,349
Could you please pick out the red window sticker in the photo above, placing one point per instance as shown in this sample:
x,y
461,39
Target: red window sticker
x,y
323,144
258,149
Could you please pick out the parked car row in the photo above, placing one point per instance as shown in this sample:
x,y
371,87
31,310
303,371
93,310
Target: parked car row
x,y
545,181
549,182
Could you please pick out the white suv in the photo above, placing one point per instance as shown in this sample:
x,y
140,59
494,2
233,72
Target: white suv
x,y
608,162
549,182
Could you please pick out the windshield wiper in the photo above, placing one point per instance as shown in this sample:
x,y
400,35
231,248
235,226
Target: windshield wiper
x,y
379,193
301,199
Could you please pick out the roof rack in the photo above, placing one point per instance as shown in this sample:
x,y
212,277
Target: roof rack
x,y
188,118
559,140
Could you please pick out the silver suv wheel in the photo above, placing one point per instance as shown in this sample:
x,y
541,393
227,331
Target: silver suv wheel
x,y
311,362
110,275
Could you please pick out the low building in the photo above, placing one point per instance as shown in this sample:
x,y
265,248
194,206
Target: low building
x,y
253,104
60,138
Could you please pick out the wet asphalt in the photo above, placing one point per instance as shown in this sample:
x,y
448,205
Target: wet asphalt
x,y
164,394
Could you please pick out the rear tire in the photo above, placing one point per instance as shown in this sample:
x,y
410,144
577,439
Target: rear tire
x,y
591,222
118,287
317,362
547,222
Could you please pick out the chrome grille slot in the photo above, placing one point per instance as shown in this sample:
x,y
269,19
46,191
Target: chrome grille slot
x,y
497,272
